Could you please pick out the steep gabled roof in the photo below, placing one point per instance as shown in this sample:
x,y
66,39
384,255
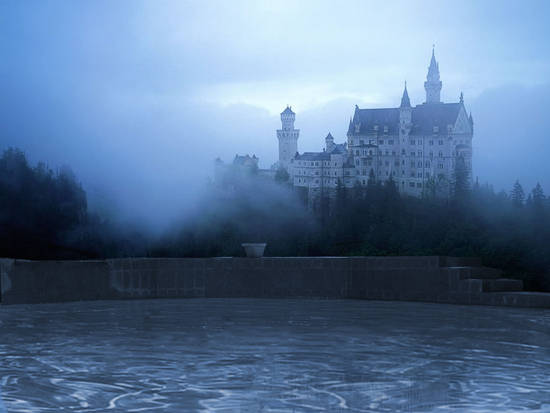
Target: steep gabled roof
x,y
369,118
313,156
338,148
426,116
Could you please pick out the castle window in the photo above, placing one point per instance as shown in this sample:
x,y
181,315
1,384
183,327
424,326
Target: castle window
x,y
381,142
419,174
441,141
370,152
440,166
440,154
419,153
402,173
413,142
419,164
402,151
385,129
357,127
375,127
436,129
411,184
419,184
431,142
357,152
390,142
420,142
361,142
427,164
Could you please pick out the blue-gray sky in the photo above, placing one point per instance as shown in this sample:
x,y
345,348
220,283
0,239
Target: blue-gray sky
x,y
140,96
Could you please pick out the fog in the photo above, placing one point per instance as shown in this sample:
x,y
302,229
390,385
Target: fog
x,y
139,98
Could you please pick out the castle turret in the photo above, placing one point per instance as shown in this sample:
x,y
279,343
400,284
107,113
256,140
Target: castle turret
x,y
405,112
329,142
433,83
288,138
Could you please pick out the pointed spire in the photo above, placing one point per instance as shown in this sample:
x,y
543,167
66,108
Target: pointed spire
x,y
405,101
433,69
433,82
470,118
461,97
329,136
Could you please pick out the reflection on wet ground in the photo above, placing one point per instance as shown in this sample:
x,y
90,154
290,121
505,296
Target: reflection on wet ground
x,y
248,355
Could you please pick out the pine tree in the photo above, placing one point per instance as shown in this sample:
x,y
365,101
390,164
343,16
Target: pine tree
x,y
517,195
371,183
461,182
281,175
538,196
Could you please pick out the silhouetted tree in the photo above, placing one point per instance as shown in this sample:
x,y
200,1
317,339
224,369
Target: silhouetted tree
x,y
517,194
461,180
281,175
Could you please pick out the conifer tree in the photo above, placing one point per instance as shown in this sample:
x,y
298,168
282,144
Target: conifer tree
x,y
538,196
517,195
461,184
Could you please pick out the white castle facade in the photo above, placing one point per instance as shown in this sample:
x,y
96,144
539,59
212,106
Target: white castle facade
x,y
415,146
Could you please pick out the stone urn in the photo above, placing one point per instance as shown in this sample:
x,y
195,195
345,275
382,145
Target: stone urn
x,y
254,249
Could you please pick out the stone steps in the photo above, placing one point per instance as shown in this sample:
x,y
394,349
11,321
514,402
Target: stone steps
x,y
482,273
516,299
484,280
502,285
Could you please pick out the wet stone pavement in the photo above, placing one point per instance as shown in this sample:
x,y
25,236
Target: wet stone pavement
x,y
271,355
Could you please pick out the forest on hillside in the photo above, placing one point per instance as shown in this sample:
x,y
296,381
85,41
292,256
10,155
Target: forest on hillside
x,y
44,215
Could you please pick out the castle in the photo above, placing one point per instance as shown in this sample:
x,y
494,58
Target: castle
x,y
418,147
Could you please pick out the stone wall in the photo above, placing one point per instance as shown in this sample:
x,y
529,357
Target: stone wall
x,y
411,278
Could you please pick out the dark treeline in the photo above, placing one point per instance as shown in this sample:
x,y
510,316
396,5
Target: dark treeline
x,y
44,215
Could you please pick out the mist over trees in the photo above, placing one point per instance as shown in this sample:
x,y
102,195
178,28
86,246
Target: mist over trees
x,y
44,215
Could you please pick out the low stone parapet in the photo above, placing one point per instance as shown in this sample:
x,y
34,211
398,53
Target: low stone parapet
x,y
379,278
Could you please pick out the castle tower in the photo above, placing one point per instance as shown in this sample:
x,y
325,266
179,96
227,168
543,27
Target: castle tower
x,y
405,110
433,83
288,138
329,142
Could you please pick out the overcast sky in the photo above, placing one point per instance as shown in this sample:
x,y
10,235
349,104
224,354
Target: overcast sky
x,y
140,97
